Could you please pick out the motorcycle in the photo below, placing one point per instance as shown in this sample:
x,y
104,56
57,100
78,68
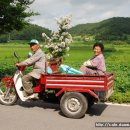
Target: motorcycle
x,y
11,87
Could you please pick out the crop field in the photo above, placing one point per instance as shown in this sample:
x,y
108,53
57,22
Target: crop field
x,y
117,59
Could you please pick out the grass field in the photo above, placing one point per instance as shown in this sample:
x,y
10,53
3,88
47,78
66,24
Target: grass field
x,y
116,56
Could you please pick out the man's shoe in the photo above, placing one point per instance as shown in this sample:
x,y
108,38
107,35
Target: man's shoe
x,y
33,96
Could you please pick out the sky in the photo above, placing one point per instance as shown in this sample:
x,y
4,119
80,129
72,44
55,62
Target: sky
x,y
82,11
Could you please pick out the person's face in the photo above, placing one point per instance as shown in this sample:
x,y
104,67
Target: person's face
x,y
34,47
97,50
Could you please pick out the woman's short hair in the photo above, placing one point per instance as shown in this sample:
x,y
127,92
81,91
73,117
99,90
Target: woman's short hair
x,y
99,45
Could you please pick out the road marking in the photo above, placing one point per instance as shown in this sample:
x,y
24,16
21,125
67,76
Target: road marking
x,y
117,104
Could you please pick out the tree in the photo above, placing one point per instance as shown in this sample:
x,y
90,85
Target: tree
x,y
13,14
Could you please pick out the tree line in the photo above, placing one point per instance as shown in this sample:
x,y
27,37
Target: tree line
x,y
30,31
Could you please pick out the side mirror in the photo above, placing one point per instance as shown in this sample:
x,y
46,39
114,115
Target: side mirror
x,y
30,54
15,54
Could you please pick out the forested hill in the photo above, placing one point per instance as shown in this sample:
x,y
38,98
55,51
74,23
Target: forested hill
x,y
30,31
116,27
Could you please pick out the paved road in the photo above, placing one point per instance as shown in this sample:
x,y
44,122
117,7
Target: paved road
x,y
46,116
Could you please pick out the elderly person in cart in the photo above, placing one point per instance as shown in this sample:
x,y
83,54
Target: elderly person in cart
x,y
38,62
95,65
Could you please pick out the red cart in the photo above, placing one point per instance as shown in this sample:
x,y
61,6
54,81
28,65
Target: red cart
x,y
77,92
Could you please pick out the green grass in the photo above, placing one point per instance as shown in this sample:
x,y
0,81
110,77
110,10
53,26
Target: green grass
x,y
117,59
120,97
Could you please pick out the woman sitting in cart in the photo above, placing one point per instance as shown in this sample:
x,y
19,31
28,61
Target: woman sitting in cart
x,y
95,65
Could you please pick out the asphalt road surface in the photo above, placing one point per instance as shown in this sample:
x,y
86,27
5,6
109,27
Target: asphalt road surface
x,y
46,116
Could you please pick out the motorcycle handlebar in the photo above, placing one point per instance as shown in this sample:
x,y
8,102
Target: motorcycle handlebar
x,y
21,68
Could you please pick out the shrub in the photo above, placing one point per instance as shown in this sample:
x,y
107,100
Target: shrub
x,y
120,97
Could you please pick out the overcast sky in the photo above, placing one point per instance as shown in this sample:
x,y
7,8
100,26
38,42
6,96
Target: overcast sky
x,y
82,11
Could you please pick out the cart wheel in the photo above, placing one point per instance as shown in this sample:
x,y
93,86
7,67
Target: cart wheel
x,y
73,105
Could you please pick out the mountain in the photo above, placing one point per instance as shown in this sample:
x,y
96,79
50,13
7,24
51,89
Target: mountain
x,y
111,29
30,31
116,28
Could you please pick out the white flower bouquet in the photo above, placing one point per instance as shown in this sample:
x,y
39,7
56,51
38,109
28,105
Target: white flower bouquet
x,y
57,45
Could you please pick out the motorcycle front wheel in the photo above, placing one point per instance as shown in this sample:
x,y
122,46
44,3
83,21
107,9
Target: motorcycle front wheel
x,y
8,94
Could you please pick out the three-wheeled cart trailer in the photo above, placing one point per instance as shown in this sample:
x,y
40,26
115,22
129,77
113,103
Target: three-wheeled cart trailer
x,y
77,92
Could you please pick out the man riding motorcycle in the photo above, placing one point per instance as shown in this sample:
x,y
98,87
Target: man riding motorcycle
x,y
38,62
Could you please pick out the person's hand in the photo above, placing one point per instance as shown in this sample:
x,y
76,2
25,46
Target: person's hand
x,y
87,63
17,64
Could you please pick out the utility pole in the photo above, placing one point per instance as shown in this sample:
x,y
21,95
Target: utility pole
x,y
9,38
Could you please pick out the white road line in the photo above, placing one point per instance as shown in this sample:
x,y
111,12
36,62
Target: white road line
x,y
116,104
